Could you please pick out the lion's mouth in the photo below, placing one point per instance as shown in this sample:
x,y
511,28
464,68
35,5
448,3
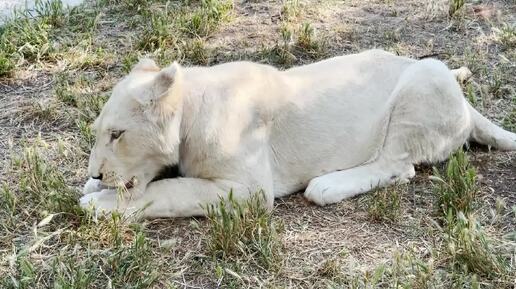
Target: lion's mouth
x,y
120,185
130,184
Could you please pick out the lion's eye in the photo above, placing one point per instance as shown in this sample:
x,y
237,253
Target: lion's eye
x,y
116,134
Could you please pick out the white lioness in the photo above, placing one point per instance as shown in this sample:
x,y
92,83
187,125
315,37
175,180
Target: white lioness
x,y
336,128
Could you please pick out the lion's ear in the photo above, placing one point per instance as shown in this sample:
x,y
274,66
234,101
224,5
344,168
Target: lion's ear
x,y
166,78
164,95
146,64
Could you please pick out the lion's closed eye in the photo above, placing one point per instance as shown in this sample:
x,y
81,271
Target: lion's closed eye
x,y
116,134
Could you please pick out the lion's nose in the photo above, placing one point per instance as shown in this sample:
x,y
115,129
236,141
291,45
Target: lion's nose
x,y
99,177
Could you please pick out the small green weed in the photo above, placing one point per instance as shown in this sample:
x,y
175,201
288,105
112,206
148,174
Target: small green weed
x,y
472,250
385,203
63,91
290,10
207,18
6,63
51,12
330,268
159,34
455,6
43,184
86,133
236,228
509,122
506,35
455,186
196,52
124,265
281,53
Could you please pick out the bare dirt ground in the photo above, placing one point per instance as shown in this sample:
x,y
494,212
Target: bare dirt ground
x,y
335,246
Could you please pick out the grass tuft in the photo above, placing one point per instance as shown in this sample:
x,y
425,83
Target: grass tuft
x,y
290,10
471,249
468,245
385,203
456,186
51,12
196,52
455,6
506,35
244,228
207,18
159,34
509,122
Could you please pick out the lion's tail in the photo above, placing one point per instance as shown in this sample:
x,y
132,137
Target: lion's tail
x,y
487,133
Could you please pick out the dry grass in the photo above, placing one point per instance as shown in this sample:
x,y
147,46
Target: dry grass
x,y
57,67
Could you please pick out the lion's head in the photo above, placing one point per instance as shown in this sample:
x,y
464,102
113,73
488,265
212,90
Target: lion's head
x,y
137,131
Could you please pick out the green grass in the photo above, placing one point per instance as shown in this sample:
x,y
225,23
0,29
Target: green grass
x,y
42,183
196,52
509,121
207,18
385,203
159,33
27,37
125,264
63,91
290,10
455,6
60,65
456,186
471,250
506,35
294,45
244,228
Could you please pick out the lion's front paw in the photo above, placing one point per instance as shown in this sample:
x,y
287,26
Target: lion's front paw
x,y
316,190
91,186
105,201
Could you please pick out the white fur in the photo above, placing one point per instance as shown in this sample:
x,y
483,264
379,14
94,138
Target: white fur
x,y
338,128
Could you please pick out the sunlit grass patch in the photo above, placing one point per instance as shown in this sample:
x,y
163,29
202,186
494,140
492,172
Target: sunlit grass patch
x,y
330,268
308,41
26,38
127,264
456,186
455,6
295,44
290,10
63,91
406,269
7,63
509,122
206,19
506,35
196,52
473,251
159,34
31,36
53,12
244,228
385,204
42,184
85,55
470,249
281,53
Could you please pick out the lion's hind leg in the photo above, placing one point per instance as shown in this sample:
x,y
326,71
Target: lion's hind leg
x,y
340,185
429,119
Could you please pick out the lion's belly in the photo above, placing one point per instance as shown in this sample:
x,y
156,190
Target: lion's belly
x,y
307,144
